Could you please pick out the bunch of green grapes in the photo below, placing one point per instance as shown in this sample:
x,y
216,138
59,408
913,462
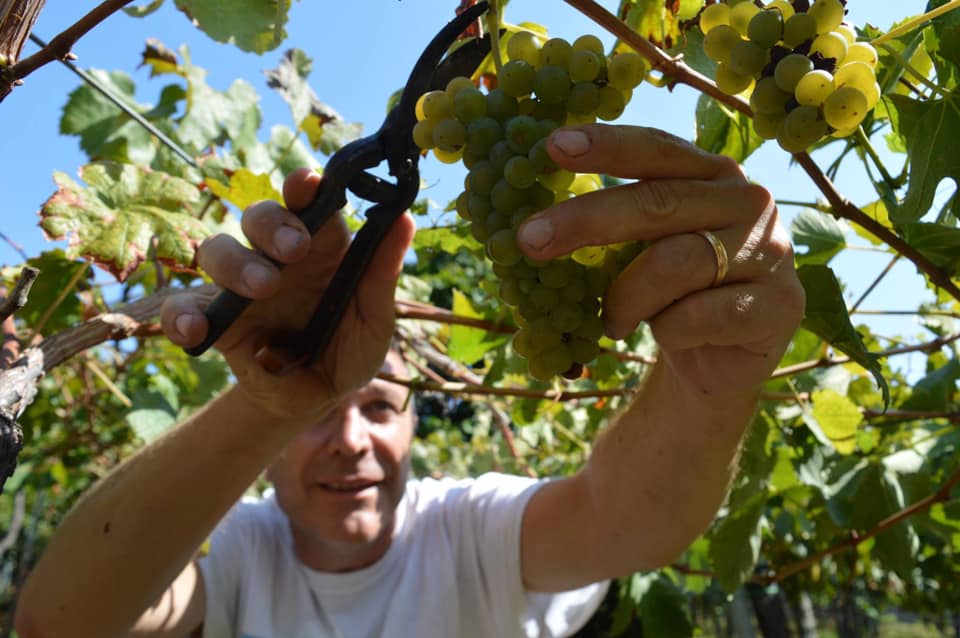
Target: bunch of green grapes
x,y
500,136
809,75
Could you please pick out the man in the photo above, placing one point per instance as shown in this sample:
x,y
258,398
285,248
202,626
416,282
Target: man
x,y
652,484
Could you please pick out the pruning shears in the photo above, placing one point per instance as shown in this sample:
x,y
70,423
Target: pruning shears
x,y
347,169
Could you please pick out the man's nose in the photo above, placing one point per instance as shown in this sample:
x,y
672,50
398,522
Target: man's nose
x,y
351,433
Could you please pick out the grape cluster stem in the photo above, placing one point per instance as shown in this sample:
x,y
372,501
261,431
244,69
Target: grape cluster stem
x,y
681,73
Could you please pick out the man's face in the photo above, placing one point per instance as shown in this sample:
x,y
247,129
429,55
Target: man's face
x,y
340,481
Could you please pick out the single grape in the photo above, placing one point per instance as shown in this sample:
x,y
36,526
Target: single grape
x,y
558,273
556,359
814,87
543,334
584,98
741,14
859,75
626,70
552,84
574,291
524,45
783,6
589,255
830,45
502,247
478,206
436,105
457,84
566,317
546,299
521,343
845,108
506,198
730,82
718,43
766,28
499,154
610,103
713,16
591,328
521,133
799,28
555,52
583,350
862,52
482,177
847,31
872,94
483,133
469,104
827,13
540,158
449,135
500,106
519,172
588,42
768,125
509,290
584,66
790,69
423,134
748,58
516,78
558,181
767,97
802,127
448,157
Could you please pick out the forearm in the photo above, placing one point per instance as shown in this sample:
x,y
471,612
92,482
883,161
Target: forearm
x,y
130,536
659,474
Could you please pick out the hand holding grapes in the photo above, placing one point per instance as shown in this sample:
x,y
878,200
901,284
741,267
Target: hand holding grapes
x,y
717,339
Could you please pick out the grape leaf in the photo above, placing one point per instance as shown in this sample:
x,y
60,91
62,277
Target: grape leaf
x,y
143,11
822,234
245,188
104,130
664,611
942,42
735,544
722,131
930,128
938,243
325,128
653,19
826,316
838,418
56,273
211,117
936,391
255,26
115,220
468,345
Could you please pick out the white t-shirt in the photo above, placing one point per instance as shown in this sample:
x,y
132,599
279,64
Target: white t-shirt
x,y
452,571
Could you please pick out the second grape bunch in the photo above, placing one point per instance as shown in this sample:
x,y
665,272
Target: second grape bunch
x,y
805,71
500,136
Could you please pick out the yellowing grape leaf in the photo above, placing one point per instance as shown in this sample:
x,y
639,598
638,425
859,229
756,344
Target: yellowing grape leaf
x,y
115,220
655,20
245,188
838,417
255,26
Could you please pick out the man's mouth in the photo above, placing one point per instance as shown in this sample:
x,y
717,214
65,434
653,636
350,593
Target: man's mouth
x,y
347,486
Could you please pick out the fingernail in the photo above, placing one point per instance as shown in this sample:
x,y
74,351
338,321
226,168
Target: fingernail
x,y
572,143
537,233
256,276
183,323
287,239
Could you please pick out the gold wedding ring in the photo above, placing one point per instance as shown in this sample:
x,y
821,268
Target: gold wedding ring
x,y
721,256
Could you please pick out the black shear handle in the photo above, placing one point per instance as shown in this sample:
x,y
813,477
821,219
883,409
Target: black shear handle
x,y
228,305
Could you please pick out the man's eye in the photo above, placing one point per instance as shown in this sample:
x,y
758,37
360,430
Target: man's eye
x,y
382,406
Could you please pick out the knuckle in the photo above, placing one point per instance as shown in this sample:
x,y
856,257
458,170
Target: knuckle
x,y
728,166
758,198
658,198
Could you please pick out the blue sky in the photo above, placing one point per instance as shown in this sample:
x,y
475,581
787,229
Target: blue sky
x,y
362,52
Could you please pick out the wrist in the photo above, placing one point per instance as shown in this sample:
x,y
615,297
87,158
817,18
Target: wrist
x,y
286,419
